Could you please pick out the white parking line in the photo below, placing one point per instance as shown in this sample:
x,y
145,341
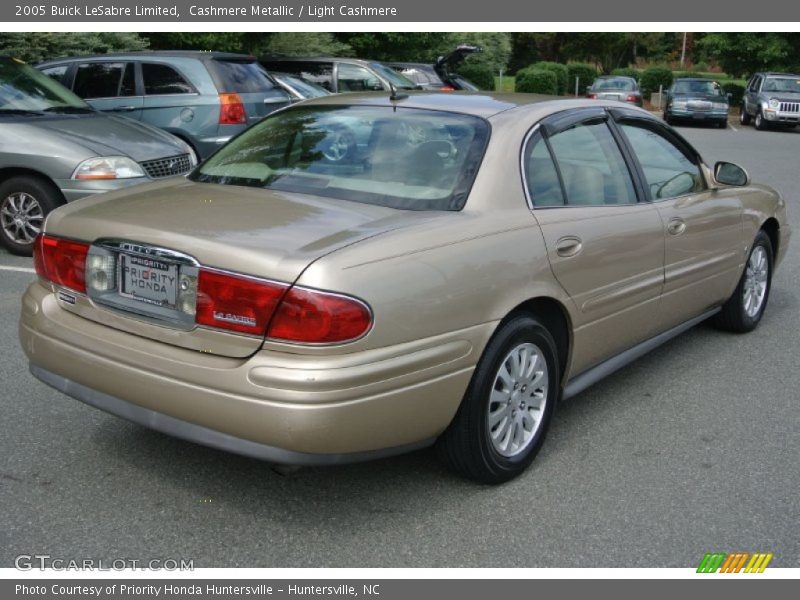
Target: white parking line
x,y
18,269
732,127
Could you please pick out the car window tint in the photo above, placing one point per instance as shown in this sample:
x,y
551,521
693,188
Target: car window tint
x,y
128,85
592,167
56,73
99,80
353,78
541,177
163,79
240,76
668,171
319,73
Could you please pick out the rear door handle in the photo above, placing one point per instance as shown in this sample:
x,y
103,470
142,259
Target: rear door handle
x,y
676,226
569,246
124,108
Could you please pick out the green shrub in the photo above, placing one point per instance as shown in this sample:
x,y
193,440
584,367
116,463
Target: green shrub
x,y
736,91
480,75
586,74
559,70
536,81
627,72
654,77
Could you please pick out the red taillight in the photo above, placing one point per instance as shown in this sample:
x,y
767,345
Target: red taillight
x,y
236,303
314,317
592,96
447,88
631,98
61,261
231,110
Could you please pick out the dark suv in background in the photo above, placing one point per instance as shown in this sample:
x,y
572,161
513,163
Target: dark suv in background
x,y
204,98
339,75
771,99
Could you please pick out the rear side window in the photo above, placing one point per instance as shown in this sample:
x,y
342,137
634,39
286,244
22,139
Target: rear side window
x,y
241,77
541,177
104,80
56,73
668,171
591,165
162,79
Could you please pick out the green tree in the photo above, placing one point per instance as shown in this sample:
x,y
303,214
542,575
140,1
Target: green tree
x,y
34,47
743,53
292,43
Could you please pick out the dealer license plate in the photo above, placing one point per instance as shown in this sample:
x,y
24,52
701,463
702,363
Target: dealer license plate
x,y
148,280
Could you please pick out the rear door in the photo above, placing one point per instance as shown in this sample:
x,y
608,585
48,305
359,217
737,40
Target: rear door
x,y
259,93
704,248
109,86
605,247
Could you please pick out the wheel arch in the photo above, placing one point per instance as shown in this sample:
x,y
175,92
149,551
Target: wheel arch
x,y
9,172
556,318
772,228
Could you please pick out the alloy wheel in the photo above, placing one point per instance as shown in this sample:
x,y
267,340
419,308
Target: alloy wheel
x,y
21,217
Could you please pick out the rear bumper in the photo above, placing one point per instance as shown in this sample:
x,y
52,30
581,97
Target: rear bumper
x,y
282,407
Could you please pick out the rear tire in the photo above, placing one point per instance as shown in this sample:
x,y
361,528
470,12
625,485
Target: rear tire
x,y
25,202
744,309
504,416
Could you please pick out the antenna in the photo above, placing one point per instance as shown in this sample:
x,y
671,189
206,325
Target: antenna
x,y
393,95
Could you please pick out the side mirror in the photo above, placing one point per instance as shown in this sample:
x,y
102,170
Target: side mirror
x,y
730,97
726,173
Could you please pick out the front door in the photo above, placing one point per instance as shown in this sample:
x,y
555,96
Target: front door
x,y
606,248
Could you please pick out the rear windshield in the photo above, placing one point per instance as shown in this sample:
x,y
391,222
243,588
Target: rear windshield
x,y
241,77
614,84
698,87
404,158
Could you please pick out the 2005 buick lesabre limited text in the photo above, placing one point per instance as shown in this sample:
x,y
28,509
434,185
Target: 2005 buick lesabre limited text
x,y
362,275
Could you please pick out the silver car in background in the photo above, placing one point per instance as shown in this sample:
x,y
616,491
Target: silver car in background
x,y
55,148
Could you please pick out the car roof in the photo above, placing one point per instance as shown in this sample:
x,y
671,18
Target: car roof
x,y
410,65
792,75
479,104
198,54
268,58
695,79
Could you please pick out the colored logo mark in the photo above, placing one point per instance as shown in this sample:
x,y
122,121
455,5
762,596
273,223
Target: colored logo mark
x,y
735,562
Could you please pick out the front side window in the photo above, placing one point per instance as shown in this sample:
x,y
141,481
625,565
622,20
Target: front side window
x,y
103,80
162,80
669,172
405,158
591,165
353,78
56,73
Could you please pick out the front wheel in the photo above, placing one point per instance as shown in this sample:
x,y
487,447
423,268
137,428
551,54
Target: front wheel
x,y
760,123
504,416
744,309
744,118
24,203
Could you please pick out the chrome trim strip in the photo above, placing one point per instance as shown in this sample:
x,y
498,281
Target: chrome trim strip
x,y
591,376
205,436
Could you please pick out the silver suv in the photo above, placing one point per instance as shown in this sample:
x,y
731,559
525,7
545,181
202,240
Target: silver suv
x,y
771,99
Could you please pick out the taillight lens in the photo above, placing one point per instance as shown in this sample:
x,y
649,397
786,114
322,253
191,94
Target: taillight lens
x,y
236,303
231,110
447,88
592,96
61,261
631,98
315,317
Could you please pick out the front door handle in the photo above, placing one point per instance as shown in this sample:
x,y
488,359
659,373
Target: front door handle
x,y
676,226
124,108
569,246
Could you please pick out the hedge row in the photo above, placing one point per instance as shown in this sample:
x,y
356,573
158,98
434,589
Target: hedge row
x,y
536,81
736,91
654,77
480,75
585,73
557,69
627,72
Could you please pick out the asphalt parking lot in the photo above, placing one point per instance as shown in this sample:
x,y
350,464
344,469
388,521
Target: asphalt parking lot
x,y
692,449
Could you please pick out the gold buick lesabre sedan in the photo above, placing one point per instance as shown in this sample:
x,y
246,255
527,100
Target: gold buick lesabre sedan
x,y
362,275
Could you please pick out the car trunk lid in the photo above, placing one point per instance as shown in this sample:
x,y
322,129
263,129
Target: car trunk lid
x,y
257,233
